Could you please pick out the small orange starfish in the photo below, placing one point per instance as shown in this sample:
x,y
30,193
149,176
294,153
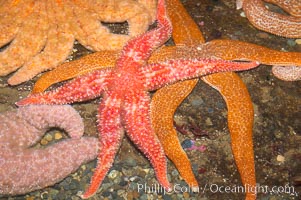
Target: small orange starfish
x,y
240,113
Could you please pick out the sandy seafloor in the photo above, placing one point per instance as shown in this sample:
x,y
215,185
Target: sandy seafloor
x,y
277,127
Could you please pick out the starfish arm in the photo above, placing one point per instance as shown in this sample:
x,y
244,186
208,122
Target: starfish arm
x,y
82,88
34,120
21,129
240,123
291,73
140,22
111,134
60,160
293,7
76,68
159,74
225,49
43,117
90,33
278,24
117,12
140,48
96,61
23,47
167,99
185,30
151,6
138,127
163,106
11,17
290,62
238,50
58,47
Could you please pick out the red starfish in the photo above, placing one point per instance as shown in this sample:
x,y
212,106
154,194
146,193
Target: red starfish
x,y
126,103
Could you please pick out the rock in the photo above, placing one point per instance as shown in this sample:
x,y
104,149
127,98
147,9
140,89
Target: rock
x,y
175,173
48,137
186,195
298,41
186,144
44,141
280,158
209,122
291,42
113,174
57,136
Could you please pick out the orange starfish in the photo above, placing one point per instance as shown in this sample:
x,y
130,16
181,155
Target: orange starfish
x,y
40,35
240,114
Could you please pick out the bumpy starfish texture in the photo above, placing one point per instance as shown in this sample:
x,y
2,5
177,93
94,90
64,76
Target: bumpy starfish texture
x,y
225,49
286,65
126,103
292,7
24,169
292,73
240,113
41,34
168,100
287,26
278,24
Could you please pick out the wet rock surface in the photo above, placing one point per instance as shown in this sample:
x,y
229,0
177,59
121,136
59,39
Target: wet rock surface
x,y
276,132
